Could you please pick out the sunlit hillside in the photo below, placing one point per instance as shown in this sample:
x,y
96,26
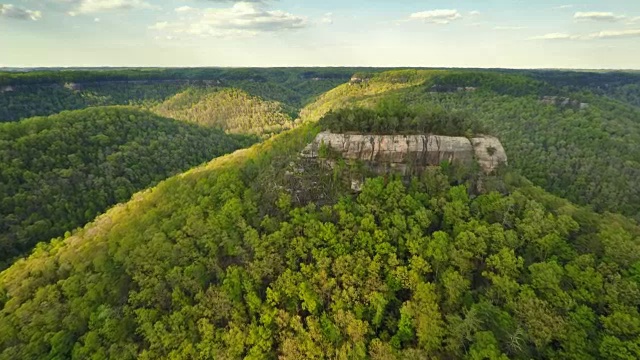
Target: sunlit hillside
x,y
232,110
586,154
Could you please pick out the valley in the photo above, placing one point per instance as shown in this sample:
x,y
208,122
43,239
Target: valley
x,y
299,213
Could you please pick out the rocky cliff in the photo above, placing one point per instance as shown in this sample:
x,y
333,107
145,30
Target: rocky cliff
x,y
405,153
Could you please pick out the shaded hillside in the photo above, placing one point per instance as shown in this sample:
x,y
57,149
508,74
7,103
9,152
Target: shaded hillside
x,y
622,86
25,101
37,93
224,261
232,110
589,155
59,172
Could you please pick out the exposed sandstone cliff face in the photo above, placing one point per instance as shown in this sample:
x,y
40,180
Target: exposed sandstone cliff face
x,y
488,152
404,153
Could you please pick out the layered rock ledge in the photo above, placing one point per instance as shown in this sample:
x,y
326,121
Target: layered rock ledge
x,y
404,153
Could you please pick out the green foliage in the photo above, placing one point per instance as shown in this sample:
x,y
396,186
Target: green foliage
x,y
392,117
46,99
235,259
221,262
588,156
620,85
232,110
503,84
38,93
59,172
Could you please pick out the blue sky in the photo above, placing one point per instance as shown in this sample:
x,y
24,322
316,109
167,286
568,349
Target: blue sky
x,y
456,33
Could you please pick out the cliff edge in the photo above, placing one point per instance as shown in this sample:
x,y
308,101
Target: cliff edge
x,y
405,152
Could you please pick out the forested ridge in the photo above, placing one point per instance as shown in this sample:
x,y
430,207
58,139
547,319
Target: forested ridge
x,y
59,172
42,100
588,156
263,254
619,85
391,116
46,92
222,262
38,93
142,74
232,110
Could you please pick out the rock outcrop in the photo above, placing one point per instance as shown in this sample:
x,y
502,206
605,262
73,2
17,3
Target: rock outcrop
x,y
407,153
450,88
564,102
488,152
72,86
359,79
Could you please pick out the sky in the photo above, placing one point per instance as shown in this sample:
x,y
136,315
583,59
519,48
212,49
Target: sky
x,y
591,34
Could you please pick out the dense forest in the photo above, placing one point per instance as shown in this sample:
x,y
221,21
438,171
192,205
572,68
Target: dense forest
x,y
38,93
232,110
263,254
223,263
619,85
280,75
40,100
588,156
391,116
46,92
59,172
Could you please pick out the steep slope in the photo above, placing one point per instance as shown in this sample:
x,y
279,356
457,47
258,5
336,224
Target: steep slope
x,y
232,110
59,172
367,92
227,261
588,155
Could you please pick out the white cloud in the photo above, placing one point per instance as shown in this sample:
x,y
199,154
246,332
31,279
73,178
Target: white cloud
x,y
241,20
184,9
327,18
612,34
562,7
237,1
96,6
474,13
606,34
14,12
159,26
509,27
442,16
555,36
167,37
598,16
96,20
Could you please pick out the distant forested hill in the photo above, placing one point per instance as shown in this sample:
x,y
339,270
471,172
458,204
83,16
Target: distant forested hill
x,y
620,85
232,110
260,254
224,262
586,153
24,101
59,172
37,93
33,93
